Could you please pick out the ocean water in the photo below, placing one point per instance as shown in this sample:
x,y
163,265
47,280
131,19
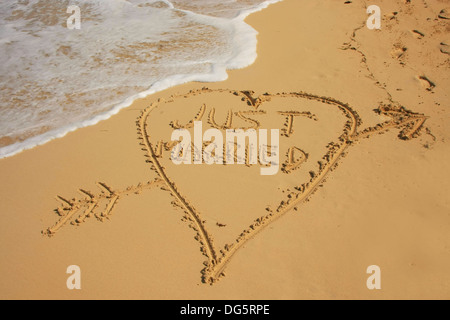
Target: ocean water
x,y
54,80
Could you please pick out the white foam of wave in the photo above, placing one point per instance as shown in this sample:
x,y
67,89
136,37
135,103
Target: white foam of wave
x,y
241,52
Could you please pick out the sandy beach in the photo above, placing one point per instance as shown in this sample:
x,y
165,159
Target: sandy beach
x,y
363,178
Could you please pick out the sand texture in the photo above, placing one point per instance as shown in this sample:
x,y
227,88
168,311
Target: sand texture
x,y
363,179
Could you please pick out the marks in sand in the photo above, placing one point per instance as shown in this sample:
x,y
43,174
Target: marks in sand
x,y
99,205
253,113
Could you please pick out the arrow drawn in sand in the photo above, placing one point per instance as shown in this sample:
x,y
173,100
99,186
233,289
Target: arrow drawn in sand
x,y
102,204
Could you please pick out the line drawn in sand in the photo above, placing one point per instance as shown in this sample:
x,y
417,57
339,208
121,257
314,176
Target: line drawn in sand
x,y
76,211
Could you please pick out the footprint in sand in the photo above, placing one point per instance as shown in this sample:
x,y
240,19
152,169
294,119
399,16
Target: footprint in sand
x,y
399,52
426,83
392,16
445,46
417,34
445,14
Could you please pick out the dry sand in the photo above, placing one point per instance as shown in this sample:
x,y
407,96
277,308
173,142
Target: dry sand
x,y
370,105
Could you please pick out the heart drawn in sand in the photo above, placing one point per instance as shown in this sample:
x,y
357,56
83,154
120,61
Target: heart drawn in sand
x,y
230,204
316,132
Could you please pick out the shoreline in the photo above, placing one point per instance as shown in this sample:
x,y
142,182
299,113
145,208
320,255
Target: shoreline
x,y
385,204
218,73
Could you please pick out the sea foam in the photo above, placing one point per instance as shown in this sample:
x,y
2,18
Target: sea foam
x,y
54,80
